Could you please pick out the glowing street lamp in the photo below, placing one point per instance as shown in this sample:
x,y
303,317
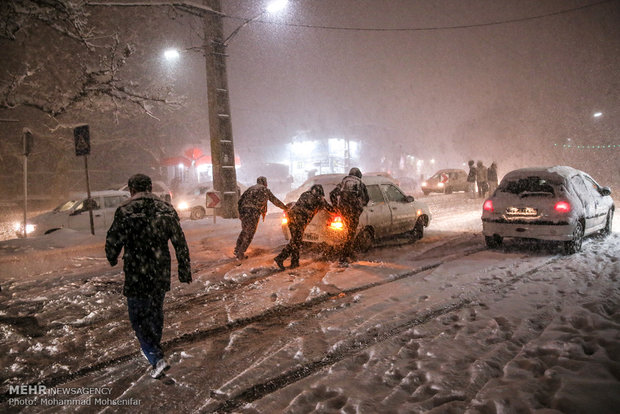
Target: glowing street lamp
x,y
171,54
597,114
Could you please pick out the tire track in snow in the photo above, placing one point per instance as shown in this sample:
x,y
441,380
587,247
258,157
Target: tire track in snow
x,y
275,312
357,345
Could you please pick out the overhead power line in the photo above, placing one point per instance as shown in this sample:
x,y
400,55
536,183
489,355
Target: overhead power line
x,y
430,28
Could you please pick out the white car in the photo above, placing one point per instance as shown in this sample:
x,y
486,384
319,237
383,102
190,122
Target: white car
x,y
193,203
328,179
549,203
73,214
389,212
160,189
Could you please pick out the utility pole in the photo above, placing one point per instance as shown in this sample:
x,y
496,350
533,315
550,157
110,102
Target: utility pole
x,y
220,124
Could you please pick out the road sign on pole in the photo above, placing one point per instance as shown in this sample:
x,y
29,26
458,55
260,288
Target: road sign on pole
x,y
81,136
213,199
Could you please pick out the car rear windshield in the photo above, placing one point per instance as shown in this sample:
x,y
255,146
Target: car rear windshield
x,y
528,186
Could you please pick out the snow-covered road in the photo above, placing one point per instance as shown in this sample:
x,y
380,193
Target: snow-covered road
x,y
442,324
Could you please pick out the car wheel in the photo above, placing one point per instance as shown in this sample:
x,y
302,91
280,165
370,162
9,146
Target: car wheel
x,y
448,190
418,230
493,241
364,241
574,245
610,218
198,213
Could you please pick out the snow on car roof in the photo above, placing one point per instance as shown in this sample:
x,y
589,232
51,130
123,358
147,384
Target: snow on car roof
x,y
558,172
101,193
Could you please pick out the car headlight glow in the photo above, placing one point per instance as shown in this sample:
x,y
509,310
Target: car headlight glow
x,y
19,227
424,183
182,205
440,185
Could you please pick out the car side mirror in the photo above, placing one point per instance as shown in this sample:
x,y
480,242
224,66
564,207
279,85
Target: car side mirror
x,y
410,199
605,191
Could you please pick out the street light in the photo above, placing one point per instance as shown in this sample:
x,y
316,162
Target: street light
x,y
171,54
220,125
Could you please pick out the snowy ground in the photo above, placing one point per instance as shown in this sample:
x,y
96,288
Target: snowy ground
x,y
441,325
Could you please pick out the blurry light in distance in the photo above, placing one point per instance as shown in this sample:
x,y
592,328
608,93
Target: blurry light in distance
x,y
182,205
433,161
276,6
284,219
336,223
440,185
171,54
598,114
562,207
419,212
488,206
424,183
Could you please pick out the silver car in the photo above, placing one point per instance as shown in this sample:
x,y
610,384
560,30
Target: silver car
x,y
389,212
549,203
73,214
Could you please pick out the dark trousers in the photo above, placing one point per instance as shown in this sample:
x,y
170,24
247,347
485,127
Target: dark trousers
x,y
483,187
296,227
351,218
249,223
146,315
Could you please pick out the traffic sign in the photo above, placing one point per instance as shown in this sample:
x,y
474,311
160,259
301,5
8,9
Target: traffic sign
x,y
213,199
81,136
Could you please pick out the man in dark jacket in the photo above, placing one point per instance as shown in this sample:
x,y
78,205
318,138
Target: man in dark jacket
x,y
308,204
350,197
252,204
492,178
142,226
471,179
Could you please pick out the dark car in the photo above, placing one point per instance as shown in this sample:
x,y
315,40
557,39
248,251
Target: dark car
x,y
446,181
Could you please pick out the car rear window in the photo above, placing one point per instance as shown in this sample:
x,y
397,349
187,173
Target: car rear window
x,y
529,186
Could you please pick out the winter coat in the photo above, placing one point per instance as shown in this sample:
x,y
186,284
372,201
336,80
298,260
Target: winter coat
x,y
492,174
307,206
256,197
142,226
350,194
471,176
481,174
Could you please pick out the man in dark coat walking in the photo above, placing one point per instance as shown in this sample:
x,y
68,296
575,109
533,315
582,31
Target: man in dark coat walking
x,y
142,227
350,197
252,204
308,204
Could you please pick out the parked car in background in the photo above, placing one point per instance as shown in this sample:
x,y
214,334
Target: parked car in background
x,y
549,203
73,214
192,202
446,181
389,212
160,189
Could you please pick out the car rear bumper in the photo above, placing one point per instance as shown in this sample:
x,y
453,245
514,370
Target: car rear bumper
x,y
329,237
558,232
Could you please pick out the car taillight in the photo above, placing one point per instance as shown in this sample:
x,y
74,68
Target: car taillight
x,y
562,207
488,206
336,223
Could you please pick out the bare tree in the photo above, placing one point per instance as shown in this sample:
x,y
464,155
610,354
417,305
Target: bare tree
x,y
91,74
